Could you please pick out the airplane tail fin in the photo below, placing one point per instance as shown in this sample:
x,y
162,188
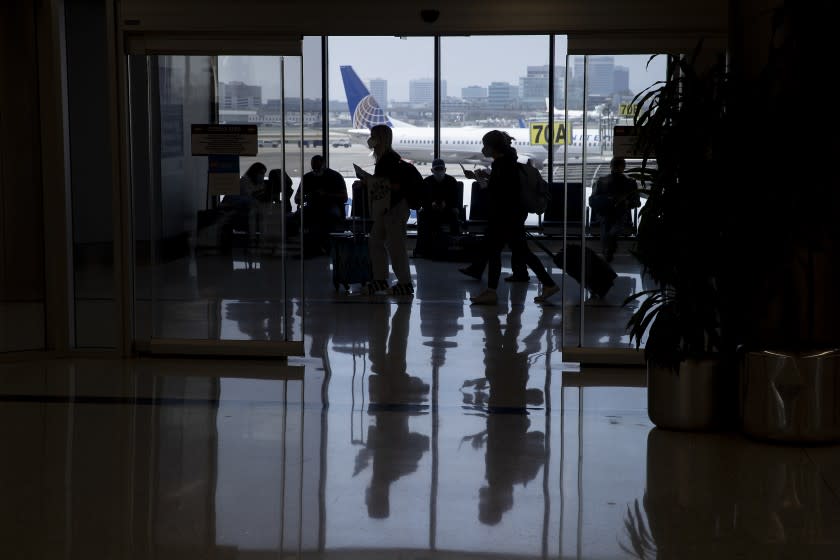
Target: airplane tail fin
x,y
522,123
363,107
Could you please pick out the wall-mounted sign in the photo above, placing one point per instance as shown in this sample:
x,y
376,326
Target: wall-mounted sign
x,y
224,139
223,174
625,139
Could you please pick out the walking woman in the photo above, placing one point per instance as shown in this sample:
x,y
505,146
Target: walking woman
x,y
506,220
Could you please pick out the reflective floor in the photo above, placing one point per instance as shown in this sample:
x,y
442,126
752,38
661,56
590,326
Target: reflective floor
x,y
417,429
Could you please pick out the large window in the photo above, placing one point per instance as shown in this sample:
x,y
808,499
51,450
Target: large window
x,y
600,92
377,80
483,88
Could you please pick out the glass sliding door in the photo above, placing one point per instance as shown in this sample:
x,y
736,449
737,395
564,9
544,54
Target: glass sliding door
x,y
215,155
600,91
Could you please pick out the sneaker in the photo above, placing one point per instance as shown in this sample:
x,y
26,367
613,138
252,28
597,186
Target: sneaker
x,y
517,278
487,297
470,272
401,290
375,287
547,292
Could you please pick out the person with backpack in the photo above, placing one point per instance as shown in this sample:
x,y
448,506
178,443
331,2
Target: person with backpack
x,y
393,190
506,219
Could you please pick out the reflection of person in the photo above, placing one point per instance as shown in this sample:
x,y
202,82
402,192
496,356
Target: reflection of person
x,y
391,446
323,194
506,219
389,211
440,207
613,197
514,455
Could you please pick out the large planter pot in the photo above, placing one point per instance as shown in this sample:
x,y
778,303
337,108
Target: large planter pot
x,y
699,395
791,397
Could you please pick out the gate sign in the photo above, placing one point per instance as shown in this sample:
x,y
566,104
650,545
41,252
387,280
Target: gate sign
x,y
540,133
628,109
224,139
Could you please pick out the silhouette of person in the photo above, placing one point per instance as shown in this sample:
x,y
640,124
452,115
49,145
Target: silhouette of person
x,y
440,207
242,207
514,454
320,198
389,211
613,197
391,447
276,190
506,223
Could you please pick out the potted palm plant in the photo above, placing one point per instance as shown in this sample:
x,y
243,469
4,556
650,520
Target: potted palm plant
x,y
785,242
684,129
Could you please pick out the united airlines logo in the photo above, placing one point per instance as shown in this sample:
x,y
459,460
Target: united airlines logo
x,y
368,114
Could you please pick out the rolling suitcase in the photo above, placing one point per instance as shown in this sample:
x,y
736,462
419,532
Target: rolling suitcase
x,y
350,259
600,276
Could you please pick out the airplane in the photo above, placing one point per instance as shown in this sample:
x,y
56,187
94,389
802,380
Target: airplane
x,y
574,114
457,144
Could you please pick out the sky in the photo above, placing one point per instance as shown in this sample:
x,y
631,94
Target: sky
x,y
465,61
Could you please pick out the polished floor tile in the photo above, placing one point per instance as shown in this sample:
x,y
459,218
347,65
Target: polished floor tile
x,y
417,429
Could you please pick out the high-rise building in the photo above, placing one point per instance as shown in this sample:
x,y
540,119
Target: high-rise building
x,y
621,79
239,95
379,91
534,86
473,93
422,90
600,77
502,94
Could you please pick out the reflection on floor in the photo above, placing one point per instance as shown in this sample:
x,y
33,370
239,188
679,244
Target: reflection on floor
x,y
416,429
240,296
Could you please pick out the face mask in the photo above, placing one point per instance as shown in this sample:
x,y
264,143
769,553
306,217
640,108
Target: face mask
x,y
485,151
439,175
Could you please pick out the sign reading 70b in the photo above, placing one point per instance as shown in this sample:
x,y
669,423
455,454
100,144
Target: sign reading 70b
x,y
540,133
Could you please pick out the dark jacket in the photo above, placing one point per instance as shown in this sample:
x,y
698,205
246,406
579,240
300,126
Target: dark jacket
x,y
504,199
325,191
613,197
443,191
388,166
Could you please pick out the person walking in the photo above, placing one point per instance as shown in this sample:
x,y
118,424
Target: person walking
x,y
506,220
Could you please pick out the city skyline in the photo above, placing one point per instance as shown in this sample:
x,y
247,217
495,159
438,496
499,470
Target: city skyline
x,y
466,61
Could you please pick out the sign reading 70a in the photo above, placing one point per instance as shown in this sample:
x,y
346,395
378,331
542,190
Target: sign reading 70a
x,y
540,133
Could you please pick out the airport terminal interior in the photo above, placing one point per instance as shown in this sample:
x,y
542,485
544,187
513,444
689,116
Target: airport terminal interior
x,y
184,376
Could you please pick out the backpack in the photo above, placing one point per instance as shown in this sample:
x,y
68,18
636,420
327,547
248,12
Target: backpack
x,y
411,183
533,189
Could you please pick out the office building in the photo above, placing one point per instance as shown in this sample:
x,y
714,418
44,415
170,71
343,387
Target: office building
x,y
240,96
379,90
423,90
502,95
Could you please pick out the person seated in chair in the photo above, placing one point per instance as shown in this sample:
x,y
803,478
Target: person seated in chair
x,y
241,209
321,197
613,197
275,190
440,207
